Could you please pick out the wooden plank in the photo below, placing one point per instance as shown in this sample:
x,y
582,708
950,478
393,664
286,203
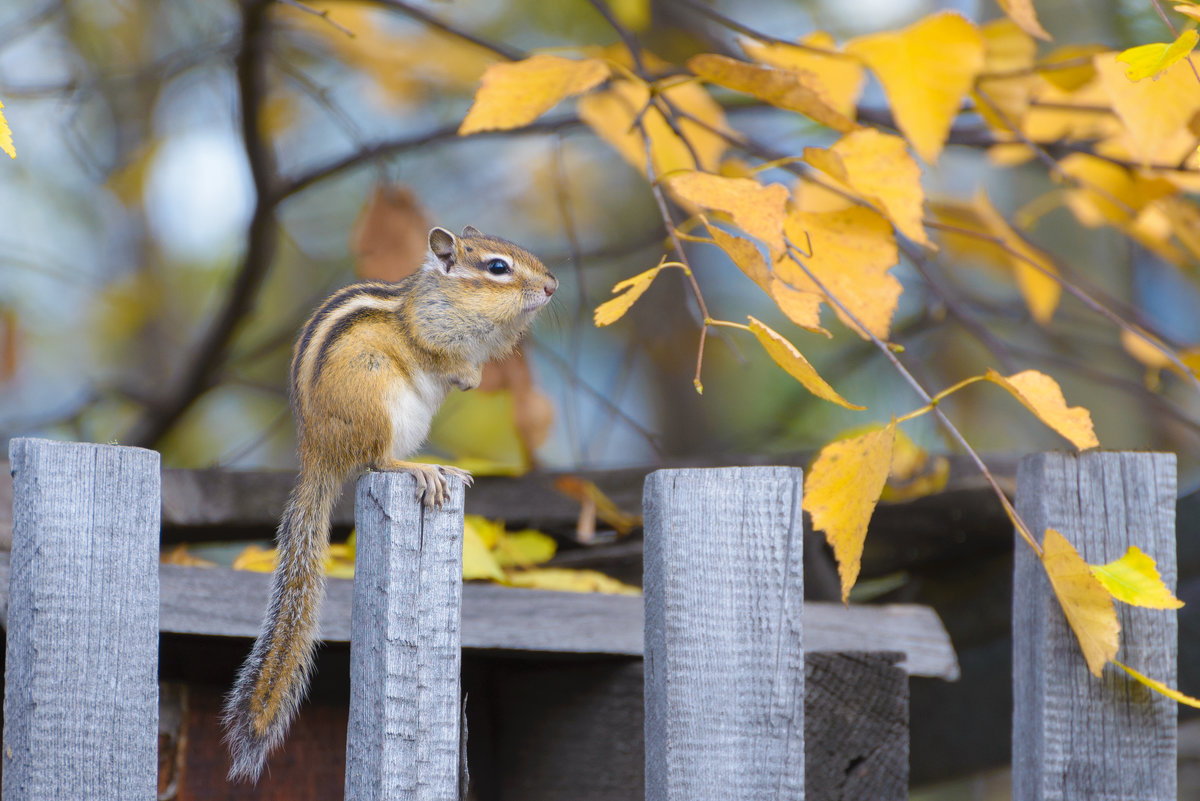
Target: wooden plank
x,y
855,727
723,629
222,602
81,674
1077,737
402,739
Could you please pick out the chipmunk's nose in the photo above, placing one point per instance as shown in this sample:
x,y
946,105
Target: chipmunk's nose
x,y
550,286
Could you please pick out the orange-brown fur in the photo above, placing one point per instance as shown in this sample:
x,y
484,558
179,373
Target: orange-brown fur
x,y
371,352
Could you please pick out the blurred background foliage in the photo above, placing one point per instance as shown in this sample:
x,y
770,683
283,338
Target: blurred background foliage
x,y
186,191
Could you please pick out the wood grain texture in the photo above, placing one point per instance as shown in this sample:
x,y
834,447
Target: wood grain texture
x,y
723,658
81,674
405,651
855,727
1076,737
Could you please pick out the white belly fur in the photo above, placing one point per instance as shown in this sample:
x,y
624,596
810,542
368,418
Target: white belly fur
x,y
413,405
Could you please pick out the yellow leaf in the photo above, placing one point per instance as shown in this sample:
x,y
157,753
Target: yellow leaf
x,y
1038,287
256,558
841,490
1189,11
516,94
1109,193
1041,395
1068,79
786,356
1153,684
612,114
633,14
610,311
852,251
744,253
1156,113
787,89
877,167
926,70
1086,604
840,79
1134,579
1142,350
913,474
180,555
588,493
478,561
524,548
564,580
756,209
489,532
1008,50
1022,13
802,308
6,142
1147,61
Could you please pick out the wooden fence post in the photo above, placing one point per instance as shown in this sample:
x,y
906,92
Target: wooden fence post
x,y
81,677
723,659
405,651
1076,737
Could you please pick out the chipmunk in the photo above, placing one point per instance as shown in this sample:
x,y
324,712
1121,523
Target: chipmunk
x,y
372,365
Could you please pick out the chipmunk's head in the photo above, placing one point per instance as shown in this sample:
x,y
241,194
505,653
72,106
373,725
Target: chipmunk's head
x,y
500,280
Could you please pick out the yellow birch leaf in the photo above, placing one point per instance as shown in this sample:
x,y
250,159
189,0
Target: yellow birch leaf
x,y
787,89
488,531
1008,49
1154,684
610,311
1145,352
1147,61
524,548
793,362
756,209
913,474
1041,395
744,253
1037,286
841,490
1086,604
256,558
1134,579
180,555
6,142
516,94
1189,11
478,561
1184,218
1081,71
1156,113
840,79
565,580
1109,193
852,251
877,167
926,70
1023,14
802,308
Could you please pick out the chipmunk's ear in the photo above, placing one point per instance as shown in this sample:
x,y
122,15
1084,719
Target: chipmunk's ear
x,y
471,230
441,244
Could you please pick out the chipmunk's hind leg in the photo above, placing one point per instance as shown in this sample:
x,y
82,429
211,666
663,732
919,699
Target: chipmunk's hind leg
x,y
432,487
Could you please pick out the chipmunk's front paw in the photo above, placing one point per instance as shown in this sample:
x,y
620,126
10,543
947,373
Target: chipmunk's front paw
x,y
433,486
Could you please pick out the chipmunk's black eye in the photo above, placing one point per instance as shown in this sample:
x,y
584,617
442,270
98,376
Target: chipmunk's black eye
x,y
498,267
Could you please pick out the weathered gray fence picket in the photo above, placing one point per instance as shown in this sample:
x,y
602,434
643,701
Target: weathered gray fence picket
x,y
1075,737
724,663
81,676
405,651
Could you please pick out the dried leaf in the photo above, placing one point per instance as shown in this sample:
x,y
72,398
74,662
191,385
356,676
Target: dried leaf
x,y
802,308
1154,684
786,356
1156,112
517,93
478,560
610,311
852,251
6,142
841,490
564,580
180,555
926,70
587,492
877,167
1148,61
787,89
744,253
839,79
524,548
1084,600
9,346
1041,395
1023,14
756,209
1134,579
389,240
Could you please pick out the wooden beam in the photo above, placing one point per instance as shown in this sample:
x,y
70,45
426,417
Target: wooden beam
x,y
724,625
402,739
1075,736
81,673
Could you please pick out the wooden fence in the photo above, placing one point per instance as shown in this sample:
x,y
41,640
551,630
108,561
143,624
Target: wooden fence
x,y
725,668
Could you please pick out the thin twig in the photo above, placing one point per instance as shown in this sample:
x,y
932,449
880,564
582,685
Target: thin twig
x,y
307,9
409,10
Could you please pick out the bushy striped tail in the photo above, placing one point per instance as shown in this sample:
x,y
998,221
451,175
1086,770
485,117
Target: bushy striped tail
x,y
274,679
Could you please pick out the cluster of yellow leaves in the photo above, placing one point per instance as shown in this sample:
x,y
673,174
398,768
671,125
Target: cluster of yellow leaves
x,y
6,142
489,553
